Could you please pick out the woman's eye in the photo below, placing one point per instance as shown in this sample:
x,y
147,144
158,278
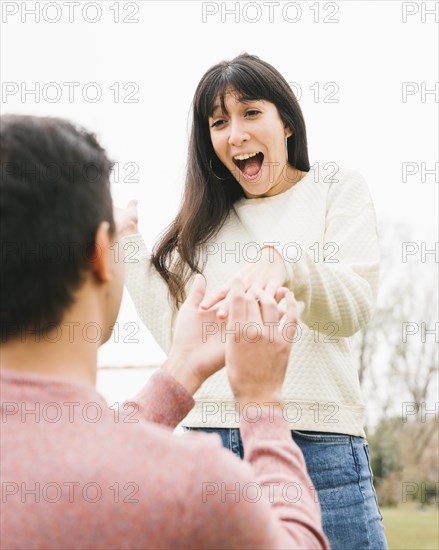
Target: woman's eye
x,y
252,112
217,123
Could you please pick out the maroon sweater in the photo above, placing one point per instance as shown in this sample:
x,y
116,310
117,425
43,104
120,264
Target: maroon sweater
x,y
77,474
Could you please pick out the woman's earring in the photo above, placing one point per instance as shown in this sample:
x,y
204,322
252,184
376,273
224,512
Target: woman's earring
x,y
286,146
213,171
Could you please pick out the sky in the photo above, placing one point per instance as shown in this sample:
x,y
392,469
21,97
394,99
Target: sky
x,y
365,74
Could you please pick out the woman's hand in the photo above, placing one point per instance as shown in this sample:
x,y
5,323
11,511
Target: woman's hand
x,y
126,219
268,274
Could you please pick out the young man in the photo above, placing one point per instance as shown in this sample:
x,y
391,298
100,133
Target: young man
x,y
77,474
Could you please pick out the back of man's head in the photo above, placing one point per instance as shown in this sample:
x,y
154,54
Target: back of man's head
x,y
54,193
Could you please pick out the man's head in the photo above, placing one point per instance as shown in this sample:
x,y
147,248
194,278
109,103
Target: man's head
x,y
56,224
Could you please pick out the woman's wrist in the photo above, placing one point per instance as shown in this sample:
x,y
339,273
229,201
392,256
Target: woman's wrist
x,y
274,257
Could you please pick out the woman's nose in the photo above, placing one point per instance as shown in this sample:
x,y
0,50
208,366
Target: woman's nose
x,y
237,135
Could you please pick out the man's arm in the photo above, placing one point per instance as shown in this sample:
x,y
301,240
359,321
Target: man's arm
x,y
163,400
266,501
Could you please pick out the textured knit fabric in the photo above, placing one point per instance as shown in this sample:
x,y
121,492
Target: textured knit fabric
x,y
78,474
325,229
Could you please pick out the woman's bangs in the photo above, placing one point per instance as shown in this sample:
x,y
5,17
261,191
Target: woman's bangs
x,y
245,86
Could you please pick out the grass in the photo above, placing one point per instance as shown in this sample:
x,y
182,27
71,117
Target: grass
x,y
409,528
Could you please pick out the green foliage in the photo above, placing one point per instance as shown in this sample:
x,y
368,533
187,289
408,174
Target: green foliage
x,y
385,449
425,492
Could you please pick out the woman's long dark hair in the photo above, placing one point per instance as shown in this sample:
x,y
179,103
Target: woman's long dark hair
x,y
207,200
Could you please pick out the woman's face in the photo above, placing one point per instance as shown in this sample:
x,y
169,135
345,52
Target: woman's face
x,y
250,141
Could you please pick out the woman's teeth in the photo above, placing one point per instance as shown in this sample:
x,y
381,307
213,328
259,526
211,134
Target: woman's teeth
x,y
245,156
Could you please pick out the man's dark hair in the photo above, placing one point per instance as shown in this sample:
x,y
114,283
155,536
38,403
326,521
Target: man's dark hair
x,y
54,193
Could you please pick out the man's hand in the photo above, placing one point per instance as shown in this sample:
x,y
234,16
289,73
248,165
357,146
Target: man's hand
x,y
268,273
198,346
126,219
257,353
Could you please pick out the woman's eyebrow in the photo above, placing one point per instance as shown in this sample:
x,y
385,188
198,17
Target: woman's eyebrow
x,y
217,108
248,101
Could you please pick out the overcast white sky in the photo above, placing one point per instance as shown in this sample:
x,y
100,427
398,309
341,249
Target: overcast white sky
x,y
358,53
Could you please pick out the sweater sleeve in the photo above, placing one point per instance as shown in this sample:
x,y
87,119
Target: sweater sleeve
x,y
338,283
266,501
162,400
148,290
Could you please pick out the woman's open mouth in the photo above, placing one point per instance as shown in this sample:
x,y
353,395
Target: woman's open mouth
x,y
249,165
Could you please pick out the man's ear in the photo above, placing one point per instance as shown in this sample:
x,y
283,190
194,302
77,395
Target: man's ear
x,y
100,262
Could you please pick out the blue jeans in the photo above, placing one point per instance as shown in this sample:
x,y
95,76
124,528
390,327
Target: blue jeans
x,y
339,467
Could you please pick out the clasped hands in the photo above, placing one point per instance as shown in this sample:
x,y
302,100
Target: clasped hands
x,y
250,342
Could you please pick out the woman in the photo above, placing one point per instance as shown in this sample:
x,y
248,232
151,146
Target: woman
x,y
254,208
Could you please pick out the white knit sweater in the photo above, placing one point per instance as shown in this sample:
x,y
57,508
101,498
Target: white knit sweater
x,y
326,231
